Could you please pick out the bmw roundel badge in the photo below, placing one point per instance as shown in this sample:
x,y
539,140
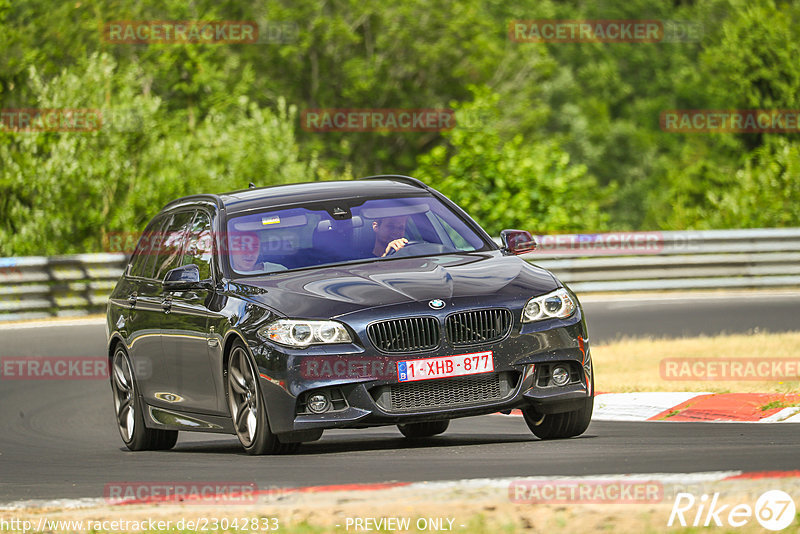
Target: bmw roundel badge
x,y
436,304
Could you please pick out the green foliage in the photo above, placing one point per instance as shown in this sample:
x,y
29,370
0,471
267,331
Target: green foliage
x,y
572,140
65,191
754,63
511,183
761,192
738,180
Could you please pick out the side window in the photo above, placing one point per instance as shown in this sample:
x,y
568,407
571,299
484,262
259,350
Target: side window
x,y
198,249
171,250
458,241
141,264
420,227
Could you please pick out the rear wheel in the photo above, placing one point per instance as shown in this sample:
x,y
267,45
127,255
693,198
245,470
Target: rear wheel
x,y
423,430
248,412
560,425
129,411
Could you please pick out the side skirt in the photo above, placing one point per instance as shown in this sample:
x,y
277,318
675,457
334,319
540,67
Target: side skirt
x,y
173,420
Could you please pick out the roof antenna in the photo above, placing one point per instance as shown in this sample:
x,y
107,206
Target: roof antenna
x,y
252,185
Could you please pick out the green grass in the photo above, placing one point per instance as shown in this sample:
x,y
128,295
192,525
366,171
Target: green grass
x,y
779,404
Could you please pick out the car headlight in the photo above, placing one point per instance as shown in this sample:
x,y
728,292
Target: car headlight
x,y
300,333
557,304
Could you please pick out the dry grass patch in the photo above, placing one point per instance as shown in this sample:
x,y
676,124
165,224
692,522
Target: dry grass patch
x,y
634,364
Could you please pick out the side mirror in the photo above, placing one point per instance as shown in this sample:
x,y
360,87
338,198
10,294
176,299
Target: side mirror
x,y
184,277
517,241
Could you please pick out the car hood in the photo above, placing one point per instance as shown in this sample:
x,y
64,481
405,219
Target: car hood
x,y
332,291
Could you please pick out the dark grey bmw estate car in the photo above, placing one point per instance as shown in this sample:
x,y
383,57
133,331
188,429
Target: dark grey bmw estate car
x,y
274,313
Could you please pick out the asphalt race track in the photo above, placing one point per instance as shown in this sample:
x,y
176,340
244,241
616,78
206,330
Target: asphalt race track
x,y
609,318
58,438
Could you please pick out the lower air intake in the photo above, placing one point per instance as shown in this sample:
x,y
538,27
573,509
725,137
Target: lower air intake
x,y
445,393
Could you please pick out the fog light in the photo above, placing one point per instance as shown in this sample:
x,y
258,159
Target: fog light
x,y
560,376
318,403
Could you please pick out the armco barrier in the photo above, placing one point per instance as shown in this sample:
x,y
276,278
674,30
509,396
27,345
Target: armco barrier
x,y
708,259
35,287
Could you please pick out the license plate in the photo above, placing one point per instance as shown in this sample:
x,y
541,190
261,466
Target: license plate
x,y
446,366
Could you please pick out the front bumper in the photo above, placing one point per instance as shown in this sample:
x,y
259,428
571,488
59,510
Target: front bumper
x,y
372,396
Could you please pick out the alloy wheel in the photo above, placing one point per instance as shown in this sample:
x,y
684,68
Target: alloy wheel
x,y
243,396
124,395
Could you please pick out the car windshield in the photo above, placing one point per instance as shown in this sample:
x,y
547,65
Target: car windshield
x,y
345,231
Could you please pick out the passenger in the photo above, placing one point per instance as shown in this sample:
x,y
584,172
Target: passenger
x,y
245,252
245,249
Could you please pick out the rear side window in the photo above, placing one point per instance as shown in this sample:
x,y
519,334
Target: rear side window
x,y
171,251
198,248
141,264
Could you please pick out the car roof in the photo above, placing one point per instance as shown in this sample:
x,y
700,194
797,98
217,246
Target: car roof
x,y
277,195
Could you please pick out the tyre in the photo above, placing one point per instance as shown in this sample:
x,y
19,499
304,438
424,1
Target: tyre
x,y
560,425
128,408
248,413
423,430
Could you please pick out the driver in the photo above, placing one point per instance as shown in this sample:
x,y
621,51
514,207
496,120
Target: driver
x,y
389,232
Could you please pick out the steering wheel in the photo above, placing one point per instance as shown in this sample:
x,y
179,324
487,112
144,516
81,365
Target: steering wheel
x,y
392,251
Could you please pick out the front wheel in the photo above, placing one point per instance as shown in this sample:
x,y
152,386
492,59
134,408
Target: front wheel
x,y
248,412
560,425
423,430
128,410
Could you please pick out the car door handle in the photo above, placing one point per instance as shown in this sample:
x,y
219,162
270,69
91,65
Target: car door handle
x,y
132,300
166,304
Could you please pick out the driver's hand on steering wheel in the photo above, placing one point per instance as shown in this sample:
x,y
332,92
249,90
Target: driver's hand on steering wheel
x,y
394,246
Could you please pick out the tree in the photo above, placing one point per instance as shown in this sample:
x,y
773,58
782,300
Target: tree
x,y
512,182
64,191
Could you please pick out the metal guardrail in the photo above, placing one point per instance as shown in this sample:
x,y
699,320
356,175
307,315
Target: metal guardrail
x,y
36,287
710,259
